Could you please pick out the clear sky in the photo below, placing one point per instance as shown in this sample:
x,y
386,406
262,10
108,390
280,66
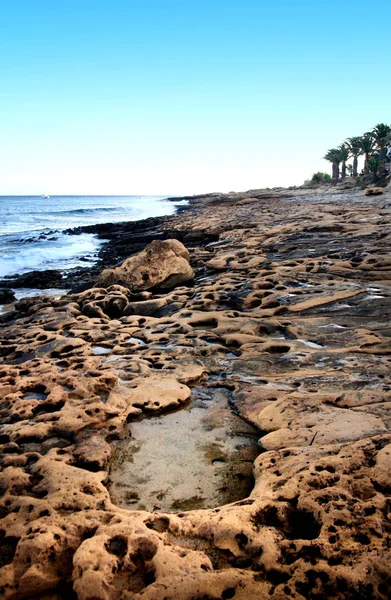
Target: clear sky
x,y
178,97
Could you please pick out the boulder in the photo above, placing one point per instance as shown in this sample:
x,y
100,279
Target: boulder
x,y
374,191
163,264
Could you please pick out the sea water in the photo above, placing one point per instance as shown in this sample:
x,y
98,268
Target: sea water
x,y
32,228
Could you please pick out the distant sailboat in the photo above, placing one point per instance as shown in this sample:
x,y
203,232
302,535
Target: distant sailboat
x,y
45,196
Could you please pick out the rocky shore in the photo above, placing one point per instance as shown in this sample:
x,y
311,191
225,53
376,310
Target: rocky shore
x,y
249,337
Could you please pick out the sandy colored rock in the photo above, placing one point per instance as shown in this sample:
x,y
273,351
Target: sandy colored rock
x,y
382,470
374,191
162,264
157,394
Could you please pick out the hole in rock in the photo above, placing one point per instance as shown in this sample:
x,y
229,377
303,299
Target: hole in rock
x,y
303,525
205,324
7,548
48,407
277,349
198,457
118,545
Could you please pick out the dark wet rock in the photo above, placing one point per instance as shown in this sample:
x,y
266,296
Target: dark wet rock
x,y
34,279
130,237
6,296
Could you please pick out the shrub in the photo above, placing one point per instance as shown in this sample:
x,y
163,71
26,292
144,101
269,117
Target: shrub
x,y
320,177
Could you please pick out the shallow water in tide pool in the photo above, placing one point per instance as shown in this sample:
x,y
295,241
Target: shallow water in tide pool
x,y
198,457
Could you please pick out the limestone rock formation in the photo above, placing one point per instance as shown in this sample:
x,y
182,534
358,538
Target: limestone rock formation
x,y
286,326
163,264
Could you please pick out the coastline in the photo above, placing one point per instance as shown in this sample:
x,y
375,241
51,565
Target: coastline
x,y
36,249
287,316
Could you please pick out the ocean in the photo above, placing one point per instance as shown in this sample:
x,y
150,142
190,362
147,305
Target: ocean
x,y
31,228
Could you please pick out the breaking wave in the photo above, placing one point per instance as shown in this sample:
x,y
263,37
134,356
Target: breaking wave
x,y
83,211
63,253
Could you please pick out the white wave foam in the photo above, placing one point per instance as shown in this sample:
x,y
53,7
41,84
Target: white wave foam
x,y
63,253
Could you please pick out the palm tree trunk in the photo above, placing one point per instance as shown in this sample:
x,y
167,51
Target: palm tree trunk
x,y
343,172
366,168
355,164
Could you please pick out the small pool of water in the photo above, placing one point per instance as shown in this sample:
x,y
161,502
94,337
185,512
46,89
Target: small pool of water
x,y
35,396
135,340
311,344
100,350
199,457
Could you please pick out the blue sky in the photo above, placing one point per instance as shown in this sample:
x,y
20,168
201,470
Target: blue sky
x,y
184,97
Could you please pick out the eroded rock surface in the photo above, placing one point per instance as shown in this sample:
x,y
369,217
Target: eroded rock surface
x,y
289,313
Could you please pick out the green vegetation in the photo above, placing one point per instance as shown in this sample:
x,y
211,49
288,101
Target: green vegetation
x,y
373,146
320,177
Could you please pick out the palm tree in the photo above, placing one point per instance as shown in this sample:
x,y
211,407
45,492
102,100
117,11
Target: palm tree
x,y
374,164
380,134
344,155
388,155
354,145
334,157
367,145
